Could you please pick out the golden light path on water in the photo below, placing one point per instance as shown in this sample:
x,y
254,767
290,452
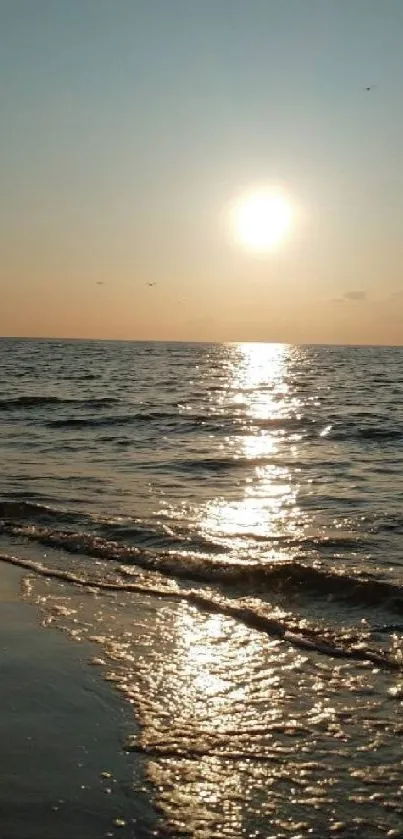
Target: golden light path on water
x,y
229,680
212,670
267,505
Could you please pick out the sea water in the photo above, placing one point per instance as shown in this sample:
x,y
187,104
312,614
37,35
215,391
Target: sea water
x,y
226,521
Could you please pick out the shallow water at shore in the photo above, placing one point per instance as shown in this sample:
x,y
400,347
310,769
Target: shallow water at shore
x,y
62,729
245,735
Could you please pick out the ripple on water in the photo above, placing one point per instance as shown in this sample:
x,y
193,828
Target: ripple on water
x,y
243,734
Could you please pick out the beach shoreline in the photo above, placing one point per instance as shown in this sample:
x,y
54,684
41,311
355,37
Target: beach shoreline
x,y
64,770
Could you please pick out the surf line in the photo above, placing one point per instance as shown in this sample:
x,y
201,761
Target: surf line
x,y
252,620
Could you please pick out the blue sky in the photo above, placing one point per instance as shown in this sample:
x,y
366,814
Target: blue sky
x,y
129,126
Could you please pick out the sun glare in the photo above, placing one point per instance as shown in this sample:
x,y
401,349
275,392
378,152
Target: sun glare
x,y
260,220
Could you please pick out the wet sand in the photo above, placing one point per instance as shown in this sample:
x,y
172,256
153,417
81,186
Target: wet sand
x,y
61,728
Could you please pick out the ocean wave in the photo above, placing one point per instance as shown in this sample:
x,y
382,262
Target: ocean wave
x,y
26,518
369,433
89,422
141,533
310,426
234,462
133,418
156,537
13,510
170,420
17,402
363,427
250,615
213,464
178,422
291,577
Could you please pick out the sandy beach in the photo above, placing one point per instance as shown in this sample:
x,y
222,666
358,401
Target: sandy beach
x,y
64,772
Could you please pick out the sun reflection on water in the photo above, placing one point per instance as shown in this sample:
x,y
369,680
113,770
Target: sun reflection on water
x,y
200,654
266,491
258,373
209,654
227,692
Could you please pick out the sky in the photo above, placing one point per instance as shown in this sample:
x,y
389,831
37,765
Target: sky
x,y
130,127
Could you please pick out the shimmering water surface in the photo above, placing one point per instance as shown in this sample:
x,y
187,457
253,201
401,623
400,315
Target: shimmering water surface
x,y
227,521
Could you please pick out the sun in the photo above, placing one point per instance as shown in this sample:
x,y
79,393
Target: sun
x,y
261,220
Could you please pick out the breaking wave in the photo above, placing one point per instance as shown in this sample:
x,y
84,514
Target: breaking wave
x,y
291,577
251,615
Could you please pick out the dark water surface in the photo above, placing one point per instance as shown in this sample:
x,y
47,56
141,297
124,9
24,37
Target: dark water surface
x,y
226,520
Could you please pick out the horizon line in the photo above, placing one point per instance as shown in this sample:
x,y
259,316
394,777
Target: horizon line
x,y
47,338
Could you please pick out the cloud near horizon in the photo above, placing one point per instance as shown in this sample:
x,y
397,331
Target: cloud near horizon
x,y
355,295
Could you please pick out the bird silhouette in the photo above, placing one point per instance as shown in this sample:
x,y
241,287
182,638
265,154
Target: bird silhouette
x,y
151,285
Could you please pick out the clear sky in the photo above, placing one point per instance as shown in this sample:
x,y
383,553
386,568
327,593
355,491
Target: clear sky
x,y
130,126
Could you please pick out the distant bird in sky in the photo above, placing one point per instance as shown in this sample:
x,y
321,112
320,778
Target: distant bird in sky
x,y
151,285
370,87
100,283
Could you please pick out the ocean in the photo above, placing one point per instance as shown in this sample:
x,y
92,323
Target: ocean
x,y
225,521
